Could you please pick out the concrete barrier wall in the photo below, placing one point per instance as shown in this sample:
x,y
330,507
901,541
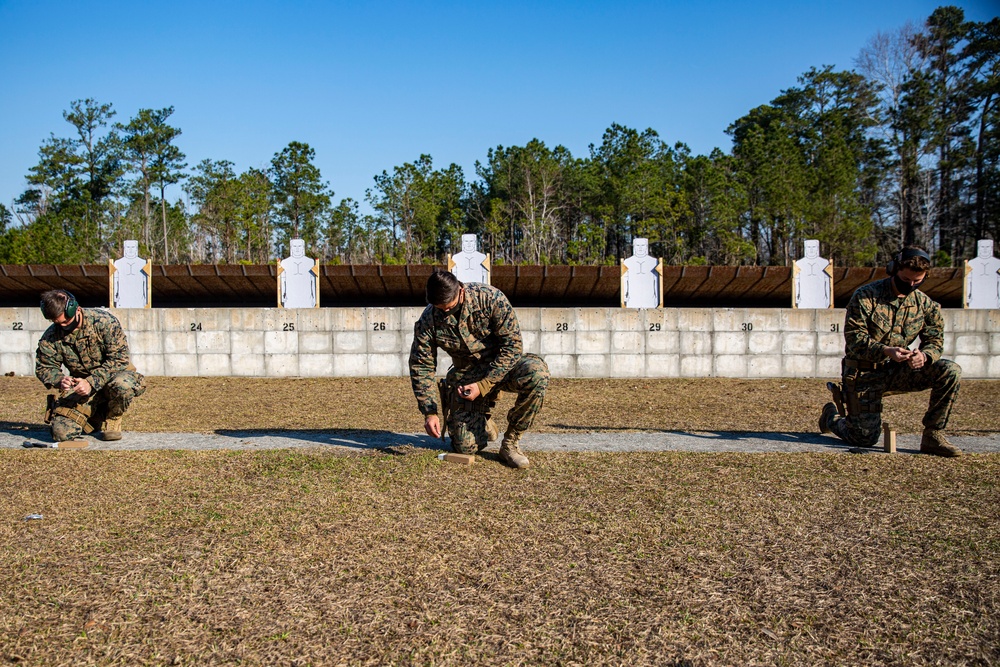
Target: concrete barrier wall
x,y
576,342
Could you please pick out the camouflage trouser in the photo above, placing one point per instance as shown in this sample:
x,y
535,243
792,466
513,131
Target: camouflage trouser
x,y
863,425
467,419
75,414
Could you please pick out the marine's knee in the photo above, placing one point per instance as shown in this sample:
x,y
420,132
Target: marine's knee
x,y
861,430
947,373
467,429
119,387
65,429
949,369
119,392
536,373
463,440
462,430
866,439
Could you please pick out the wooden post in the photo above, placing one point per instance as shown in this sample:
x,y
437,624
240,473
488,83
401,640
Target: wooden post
x,y
888,438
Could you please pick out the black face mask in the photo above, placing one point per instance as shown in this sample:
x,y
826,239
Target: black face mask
x,y
71,326
454,309
904,287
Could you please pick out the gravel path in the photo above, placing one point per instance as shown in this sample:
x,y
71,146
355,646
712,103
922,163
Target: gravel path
x,y
620,441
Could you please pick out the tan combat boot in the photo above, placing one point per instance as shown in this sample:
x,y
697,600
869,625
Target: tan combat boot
x,y
510,452
111,429
492,432
829,412
934,442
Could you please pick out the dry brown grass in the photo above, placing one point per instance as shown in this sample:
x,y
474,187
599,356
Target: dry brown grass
x,y
321,557
315,557
713,404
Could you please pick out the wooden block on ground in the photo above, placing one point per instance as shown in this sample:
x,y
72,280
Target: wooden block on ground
x,y
72,444
888,439
461,459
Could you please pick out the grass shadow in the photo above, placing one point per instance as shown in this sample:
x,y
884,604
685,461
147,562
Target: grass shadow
x,y
353,438
722,437
22,428
813,438
778,436
822,439
610,429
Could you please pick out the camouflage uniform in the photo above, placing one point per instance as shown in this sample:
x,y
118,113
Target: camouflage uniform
x,y
483,340
96,351
876,319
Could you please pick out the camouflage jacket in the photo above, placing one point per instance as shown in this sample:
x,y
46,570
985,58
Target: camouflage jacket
x,y
96,350
877,318
483,340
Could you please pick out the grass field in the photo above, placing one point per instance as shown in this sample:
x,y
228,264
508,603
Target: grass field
x,y
321,557
311,557
709,404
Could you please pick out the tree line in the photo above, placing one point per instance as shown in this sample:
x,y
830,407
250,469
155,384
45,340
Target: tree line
x,y
901,149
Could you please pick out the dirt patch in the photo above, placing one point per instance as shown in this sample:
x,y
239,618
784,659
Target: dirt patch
x,y
712,404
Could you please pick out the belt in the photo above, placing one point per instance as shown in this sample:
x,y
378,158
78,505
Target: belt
x,y
864,365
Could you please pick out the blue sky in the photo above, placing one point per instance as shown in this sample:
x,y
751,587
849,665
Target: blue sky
x,y
373,85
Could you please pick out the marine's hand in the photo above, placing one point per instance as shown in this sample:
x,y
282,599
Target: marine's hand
x,y
67,383
469,392
917,359
898,354
432,425
82,387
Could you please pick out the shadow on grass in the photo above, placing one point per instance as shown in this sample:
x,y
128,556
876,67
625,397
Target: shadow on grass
x,y
723,438
23,428
387,442
830,441
810,438
354,438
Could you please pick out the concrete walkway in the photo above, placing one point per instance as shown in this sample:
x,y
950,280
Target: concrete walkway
x,y
603,441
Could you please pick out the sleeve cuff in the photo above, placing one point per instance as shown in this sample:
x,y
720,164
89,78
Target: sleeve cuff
x,y
484,387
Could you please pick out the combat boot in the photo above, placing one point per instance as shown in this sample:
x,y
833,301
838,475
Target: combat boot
x,y
826,418
492,432
112,429
934,442
510,452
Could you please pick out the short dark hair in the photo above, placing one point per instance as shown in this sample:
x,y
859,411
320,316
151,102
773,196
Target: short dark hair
x,y
914,258
54,303
442,288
